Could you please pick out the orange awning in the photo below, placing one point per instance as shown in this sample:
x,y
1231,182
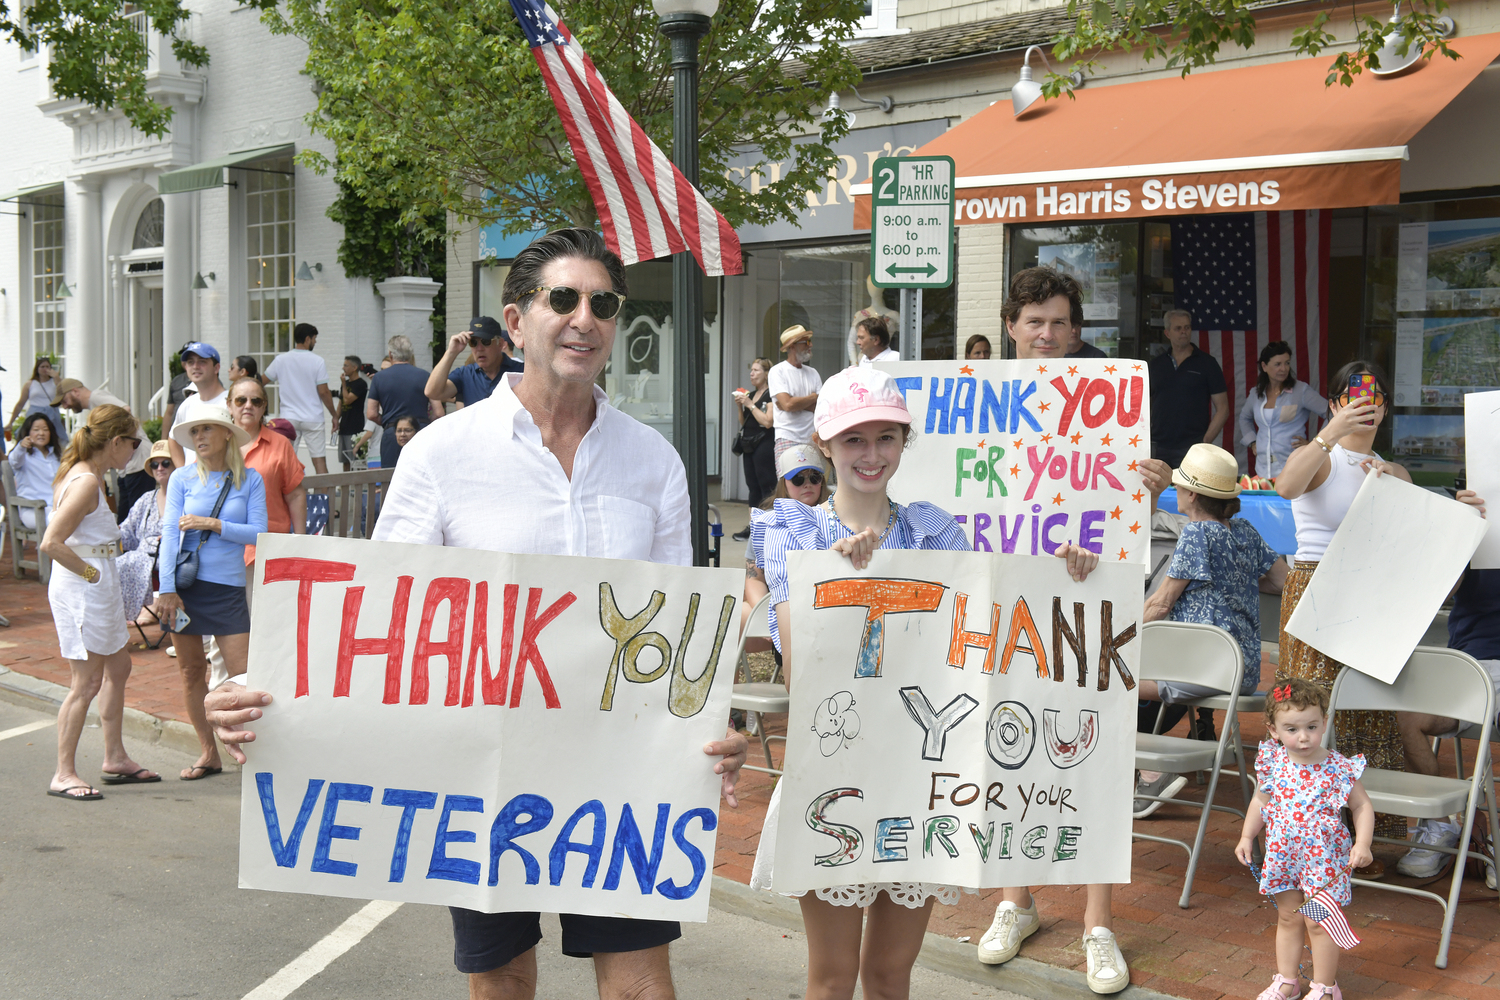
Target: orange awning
x,y
1226,140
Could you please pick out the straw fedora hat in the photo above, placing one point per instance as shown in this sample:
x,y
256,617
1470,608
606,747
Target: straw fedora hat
x,y
1210,470
182,432
792,334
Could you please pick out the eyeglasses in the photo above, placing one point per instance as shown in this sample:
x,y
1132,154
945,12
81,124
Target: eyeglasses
x,y
134,441
161,463
803,478
1378,399
482,341
249,401
563,300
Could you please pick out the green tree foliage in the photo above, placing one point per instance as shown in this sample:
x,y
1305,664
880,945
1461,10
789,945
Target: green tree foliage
x,y
437,106
95,53
1188,34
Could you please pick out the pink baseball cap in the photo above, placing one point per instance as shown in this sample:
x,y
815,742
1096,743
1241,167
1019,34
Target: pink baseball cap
x,y
855,396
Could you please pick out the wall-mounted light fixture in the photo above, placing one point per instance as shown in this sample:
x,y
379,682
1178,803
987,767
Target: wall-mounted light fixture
x,y
1025,92
1392,62
304,273
198,281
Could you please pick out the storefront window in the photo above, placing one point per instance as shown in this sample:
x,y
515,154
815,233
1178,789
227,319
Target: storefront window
x,y
1433,322
1104,259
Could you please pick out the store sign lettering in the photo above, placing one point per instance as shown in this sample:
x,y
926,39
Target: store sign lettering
x,y
1155,195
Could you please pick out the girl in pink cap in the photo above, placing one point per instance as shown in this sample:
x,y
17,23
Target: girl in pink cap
x,y
862,426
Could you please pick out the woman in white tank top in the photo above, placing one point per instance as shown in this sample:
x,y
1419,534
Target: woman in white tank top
x,y
1321,479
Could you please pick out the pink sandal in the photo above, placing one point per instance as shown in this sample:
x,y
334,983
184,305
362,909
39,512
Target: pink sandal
x,y
1317,991
1273,992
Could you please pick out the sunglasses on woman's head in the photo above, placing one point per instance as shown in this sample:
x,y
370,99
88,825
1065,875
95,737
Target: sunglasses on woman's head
x,y
161,463
803,478
563,300
249,401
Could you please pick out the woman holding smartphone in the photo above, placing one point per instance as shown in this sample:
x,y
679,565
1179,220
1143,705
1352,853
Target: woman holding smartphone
x,y
1321,479
215,507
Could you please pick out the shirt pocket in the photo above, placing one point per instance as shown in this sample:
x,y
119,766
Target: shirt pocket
x,y
1286,414
627,528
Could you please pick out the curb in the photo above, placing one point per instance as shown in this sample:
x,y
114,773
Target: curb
x,y
32,692
1023,976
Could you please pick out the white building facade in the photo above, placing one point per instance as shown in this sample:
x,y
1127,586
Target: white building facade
x,y
119,247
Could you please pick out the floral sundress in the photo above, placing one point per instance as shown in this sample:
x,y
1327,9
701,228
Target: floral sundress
x,y
1307,844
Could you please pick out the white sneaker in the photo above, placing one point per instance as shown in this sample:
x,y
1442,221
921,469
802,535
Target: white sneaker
x,y
1420,863
1108,972
1011,926
1166,786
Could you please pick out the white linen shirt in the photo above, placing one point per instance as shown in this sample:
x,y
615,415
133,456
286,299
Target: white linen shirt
x,y
793,425
481,478
298,373
886,355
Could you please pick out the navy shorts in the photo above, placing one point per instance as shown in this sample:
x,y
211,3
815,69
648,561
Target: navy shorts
x,y
483,942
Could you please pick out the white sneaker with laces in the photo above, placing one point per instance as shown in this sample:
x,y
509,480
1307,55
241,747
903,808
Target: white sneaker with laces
x,y
1011,926
1108,972
1422,863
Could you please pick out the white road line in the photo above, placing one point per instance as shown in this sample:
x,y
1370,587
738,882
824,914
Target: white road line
x,y
30,727
321,955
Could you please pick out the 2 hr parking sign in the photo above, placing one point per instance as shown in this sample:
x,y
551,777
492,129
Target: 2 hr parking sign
x,y
911,226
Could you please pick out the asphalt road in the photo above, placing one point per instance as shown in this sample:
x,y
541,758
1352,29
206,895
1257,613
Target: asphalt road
x,y
135,896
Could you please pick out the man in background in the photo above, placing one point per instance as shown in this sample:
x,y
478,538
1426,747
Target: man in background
x,y
472,382
134,479
794,386
302,378
201,362
1189,400
352,392
398,391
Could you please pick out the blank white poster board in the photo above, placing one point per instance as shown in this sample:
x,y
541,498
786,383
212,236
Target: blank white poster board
x,y
1387,570
1482,458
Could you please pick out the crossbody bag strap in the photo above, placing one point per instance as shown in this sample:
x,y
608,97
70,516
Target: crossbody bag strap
x,y
218,506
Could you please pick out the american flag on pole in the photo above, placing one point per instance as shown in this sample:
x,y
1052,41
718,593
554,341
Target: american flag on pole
x,y
1250,279
646,206
1323,909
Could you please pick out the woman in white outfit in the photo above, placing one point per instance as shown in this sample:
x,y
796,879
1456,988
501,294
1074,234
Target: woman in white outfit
x,y
862,426
34,461
82,541
38,393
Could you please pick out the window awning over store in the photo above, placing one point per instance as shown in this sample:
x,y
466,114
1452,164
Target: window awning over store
x,y
1226,140
20,193
210,173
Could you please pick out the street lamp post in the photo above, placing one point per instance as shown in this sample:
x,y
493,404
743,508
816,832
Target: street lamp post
x,y
684,22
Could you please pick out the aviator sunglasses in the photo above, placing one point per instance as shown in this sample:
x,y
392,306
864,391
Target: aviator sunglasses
x,y
563,300
249,401
805,477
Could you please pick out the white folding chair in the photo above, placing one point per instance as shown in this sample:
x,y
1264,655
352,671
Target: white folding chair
x,y
1434,681
1191,654
759,697
19,533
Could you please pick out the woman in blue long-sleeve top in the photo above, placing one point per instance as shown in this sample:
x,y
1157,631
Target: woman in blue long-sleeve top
x,y
215,601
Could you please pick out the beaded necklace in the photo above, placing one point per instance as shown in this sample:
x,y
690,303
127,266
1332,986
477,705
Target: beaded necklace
x,y
889,524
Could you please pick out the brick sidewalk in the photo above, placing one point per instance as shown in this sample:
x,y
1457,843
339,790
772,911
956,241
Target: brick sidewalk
x,y
1221,947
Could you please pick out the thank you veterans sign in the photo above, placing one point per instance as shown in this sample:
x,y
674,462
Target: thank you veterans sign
x,y
959,719
490,731
1030,455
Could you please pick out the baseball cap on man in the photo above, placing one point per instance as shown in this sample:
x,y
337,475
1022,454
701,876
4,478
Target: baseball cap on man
x,y
64,387
858,396
201,349
488,328
797,459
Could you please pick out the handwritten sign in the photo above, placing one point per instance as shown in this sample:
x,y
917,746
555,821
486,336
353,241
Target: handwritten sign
x,y
958,719
1388,567
1030,455
1482,462
490,731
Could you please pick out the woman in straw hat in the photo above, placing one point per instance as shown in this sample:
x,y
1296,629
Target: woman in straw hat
x,y
1321,479
215,507
862,426
83,541
140,536
1220,567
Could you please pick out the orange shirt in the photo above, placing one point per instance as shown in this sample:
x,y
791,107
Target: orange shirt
x,y
275,458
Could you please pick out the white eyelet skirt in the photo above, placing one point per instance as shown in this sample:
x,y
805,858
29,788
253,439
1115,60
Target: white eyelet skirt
x,y
912,895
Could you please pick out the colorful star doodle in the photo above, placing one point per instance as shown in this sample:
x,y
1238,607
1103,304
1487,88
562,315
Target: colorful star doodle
x,y
1044,407
1136,368
1018,444
1137,495
1110,369
1072,369
1041,369
1077,437
1058,499
1046,438
1116,513
981,443
1135,527
1124,555
1015,470
1104,441
1132,466
966,370
1135,442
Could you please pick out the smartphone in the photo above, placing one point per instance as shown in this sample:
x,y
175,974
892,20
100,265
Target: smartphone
x,y
1361,389
181,621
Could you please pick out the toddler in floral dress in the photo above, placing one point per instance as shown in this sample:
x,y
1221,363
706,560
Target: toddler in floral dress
x,y
1301,789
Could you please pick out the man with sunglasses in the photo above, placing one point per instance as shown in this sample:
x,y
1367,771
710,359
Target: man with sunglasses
x,y
575,477
475,381
135,481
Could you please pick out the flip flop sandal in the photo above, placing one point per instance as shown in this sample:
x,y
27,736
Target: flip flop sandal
x,y
134,778
62,793
207,772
